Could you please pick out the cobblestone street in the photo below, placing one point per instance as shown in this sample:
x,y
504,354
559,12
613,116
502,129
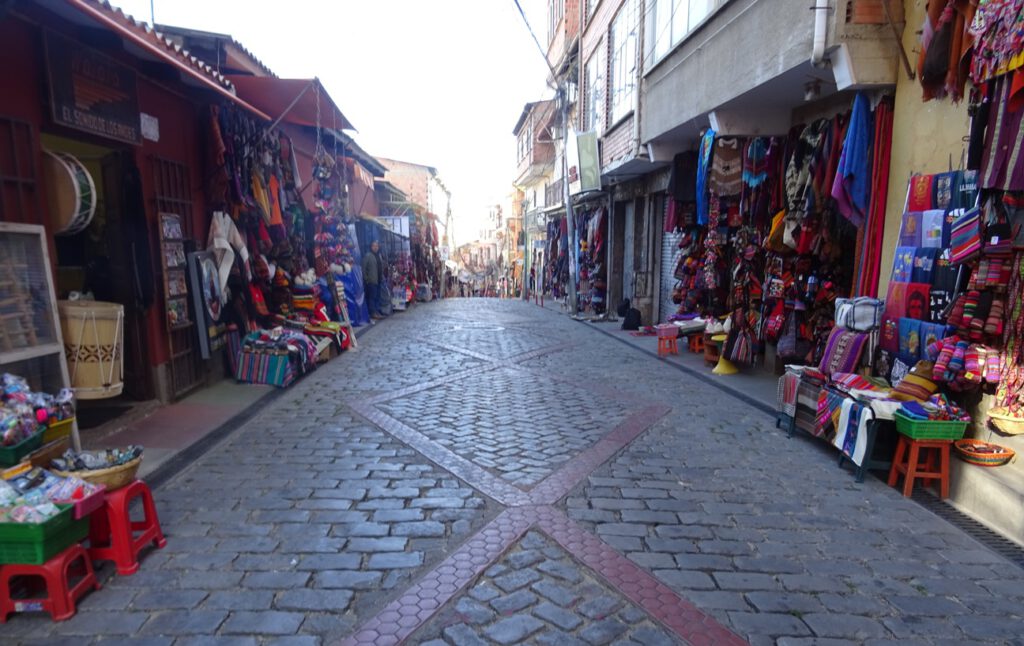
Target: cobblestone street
x,y
490,472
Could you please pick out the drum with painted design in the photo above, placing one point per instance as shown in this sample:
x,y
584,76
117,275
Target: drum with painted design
x,y
93,347
71,193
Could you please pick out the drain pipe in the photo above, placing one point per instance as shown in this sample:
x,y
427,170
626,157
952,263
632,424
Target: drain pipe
x,y
820,10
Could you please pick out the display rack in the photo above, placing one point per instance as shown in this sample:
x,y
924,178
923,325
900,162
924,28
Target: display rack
x,y
30,335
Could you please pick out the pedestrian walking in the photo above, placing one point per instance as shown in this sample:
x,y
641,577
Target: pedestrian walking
x,y
373,273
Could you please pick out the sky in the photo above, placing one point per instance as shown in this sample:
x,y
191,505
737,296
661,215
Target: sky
x,y
435,82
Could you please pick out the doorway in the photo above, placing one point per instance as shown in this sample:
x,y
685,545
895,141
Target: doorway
x,y
96,263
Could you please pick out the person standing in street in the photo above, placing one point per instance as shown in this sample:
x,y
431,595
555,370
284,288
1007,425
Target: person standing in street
x,y
373,272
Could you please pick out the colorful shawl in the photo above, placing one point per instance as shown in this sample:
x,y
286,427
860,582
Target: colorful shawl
x,y
851,188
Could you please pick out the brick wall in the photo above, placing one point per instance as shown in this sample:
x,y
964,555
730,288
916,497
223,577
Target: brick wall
x,y
616,143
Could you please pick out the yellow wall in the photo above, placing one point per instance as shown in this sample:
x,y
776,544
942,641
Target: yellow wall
x,y
924,138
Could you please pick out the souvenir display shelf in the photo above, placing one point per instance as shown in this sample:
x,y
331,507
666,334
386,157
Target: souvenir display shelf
x,y
30,336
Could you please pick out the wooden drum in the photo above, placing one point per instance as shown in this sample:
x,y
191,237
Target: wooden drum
x,y
71,193
93,347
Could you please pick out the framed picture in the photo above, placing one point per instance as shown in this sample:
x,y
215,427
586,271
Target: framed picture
x,y
177,284
170,226
174,255
177,312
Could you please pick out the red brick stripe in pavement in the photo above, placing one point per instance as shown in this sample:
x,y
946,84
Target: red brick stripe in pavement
x,y
426,596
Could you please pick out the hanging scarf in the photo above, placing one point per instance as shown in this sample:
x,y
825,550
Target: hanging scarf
x,y
755,162
703,168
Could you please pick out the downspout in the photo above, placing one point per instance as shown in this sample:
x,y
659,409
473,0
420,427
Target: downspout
x,y
820,31
637,150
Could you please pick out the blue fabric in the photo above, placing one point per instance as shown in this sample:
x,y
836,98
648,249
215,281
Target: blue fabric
x,y
707,143
853,182
355,296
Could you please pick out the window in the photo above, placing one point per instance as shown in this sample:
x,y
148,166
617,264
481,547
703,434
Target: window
x,y
593,117
556,9
672,20
525,140
622,40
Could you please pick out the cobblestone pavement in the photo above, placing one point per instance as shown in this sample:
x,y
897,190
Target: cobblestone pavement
x,y
486,471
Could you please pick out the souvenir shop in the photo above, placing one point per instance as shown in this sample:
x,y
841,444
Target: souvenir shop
x,y
285,271
591,256
764,228
936,369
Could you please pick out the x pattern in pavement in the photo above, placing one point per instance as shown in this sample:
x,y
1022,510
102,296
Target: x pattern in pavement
x,y
486,471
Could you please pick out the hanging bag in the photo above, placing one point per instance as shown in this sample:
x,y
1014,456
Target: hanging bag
x,y
966,237
861,314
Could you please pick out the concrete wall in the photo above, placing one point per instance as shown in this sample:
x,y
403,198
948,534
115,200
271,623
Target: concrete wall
x,y
928,138
925,137
745,44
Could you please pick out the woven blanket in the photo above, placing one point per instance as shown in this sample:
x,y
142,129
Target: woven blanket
x,y
789,385
830,403
852,430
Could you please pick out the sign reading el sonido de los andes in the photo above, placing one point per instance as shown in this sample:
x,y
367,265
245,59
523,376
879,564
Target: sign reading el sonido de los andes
x,y
91,92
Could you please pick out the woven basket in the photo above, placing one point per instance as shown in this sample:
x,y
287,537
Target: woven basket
x,y
967,450
1006,423
113,477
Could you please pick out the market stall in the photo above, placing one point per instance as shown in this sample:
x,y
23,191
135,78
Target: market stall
x,y
764,231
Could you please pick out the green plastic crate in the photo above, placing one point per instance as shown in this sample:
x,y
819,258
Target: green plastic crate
x,y
39,553
37,543
917,429
11,455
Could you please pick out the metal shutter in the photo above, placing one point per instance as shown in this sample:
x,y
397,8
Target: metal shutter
x,y
669,258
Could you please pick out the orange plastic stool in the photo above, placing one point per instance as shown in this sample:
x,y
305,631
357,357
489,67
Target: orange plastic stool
x,y
667,345
912,464
60,600
696,343
114,536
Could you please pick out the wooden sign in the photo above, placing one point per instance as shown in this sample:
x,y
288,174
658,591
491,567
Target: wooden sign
x,y
91,92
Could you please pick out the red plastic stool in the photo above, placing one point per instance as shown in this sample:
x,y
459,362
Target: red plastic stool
x,y
911,462
56,573
114,536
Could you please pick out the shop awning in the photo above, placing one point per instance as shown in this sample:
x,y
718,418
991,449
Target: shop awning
x,y
291,100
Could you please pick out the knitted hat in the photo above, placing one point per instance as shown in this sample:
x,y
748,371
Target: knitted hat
x,y
994,323
979,277
956,362
956,315
993,366
972,364
982,311
946,349
970,305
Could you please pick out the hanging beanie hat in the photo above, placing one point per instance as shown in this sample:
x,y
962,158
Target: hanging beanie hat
x,y
956,362
946,348
993,366
970,305
956,315
994,323
973,364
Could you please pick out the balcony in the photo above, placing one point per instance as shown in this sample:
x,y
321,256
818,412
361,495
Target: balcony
x,y
536,163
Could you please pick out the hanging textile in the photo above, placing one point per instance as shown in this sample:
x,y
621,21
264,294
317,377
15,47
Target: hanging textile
x,y
707,143
868,268
1002,161
851,186
726,167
